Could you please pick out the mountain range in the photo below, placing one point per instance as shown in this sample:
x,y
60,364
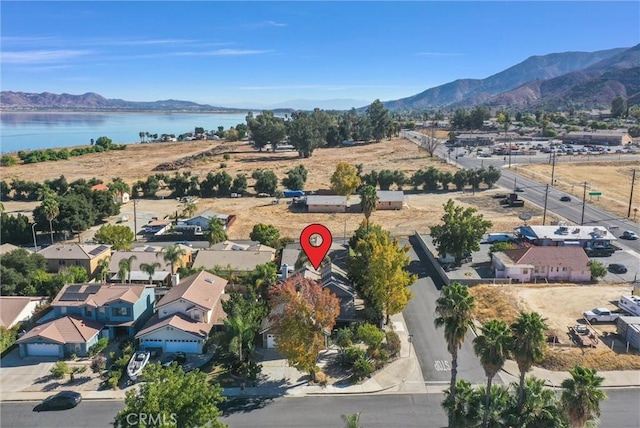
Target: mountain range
x,y
580,80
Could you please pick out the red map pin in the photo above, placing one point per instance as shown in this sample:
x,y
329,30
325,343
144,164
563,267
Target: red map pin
x,y
314,253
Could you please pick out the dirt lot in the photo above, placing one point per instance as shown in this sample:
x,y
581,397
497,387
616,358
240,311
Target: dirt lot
x,y
505,302
613,179
422,211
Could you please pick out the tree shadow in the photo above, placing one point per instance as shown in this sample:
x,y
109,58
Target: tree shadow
x,y
243,404
44,379
51,386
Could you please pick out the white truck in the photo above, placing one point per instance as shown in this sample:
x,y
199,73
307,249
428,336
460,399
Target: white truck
x,y
630,304
597,315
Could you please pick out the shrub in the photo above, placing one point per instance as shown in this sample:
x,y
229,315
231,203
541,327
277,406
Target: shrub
x,y
223,165
362,368
60,369
99,346
371,335
393,343
98,363
351,354
321,379
226,156
344,337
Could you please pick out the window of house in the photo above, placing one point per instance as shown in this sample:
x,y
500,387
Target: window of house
x,y
78,263
121,312
525,271
61,263
89,312
564,269
101,312
63,310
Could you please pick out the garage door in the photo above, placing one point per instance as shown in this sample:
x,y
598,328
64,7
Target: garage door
x,y
189,346
42,349
271,341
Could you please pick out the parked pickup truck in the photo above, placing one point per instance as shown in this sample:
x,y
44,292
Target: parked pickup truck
x,y
600,315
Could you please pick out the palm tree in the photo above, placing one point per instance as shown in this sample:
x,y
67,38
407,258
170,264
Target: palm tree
x,y
103,268
493,347
215,232
352,420
462,407
540,409
51,210
173,254
190,208
368,202
581,396
454,308
528,345
124,268
150,269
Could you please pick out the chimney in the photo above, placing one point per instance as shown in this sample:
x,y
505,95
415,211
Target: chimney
x,y
285,271
175,279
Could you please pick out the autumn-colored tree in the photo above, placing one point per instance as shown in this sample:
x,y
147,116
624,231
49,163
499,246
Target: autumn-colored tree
x,y
303,314
387,281
345,179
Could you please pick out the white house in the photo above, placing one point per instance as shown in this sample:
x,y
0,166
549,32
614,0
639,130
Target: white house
x,y
551,263
186,314
203,218
16,309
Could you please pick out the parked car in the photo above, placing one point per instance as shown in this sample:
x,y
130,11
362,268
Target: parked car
x,y
262,195
61,401
629,234
600,315
617,268
187,243
518,189
179,357
565,199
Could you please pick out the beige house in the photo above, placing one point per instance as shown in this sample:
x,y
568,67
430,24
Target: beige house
x,y
551,263
17,309
88,256
234,258
390,200
186,315
326,204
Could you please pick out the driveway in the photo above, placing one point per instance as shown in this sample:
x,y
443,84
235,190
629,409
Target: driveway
x,y
19,374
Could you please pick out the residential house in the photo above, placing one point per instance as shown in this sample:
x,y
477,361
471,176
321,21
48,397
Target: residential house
x,y
326,204
17,309
7,248
390,200
146,255
546,263
234,258
203,218
88,256
186,315
563,235
156,227
118,197
61,337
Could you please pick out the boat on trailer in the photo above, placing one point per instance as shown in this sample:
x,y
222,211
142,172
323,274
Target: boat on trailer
x,y
137,363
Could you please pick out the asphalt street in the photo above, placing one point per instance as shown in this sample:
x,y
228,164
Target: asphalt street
x,y
620,410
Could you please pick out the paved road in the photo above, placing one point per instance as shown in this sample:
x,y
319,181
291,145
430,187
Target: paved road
x,y
428,341
423,410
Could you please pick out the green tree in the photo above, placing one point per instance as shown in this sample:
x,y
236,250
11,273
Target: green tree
x,y
51,210
265,234
490,176
493,347
307,315
119,237
264,276
103,269
304,134
266,181
215,232
175,397
239,184
118,186
150,269
104,142
345,179
296,178
598,269
173,254
77,213
265,129
124,268
581,396
618,107
461,231
527,346
454,310
368,201
386,178
380,120
540,407
460,405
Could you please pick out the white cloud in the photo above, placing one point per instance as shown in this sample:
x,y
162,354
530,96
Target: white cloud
x,y
41,56
275,24
221,52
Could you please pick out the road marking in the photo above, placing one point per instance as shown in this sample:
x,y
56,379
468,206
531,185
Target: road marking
x,y
442,365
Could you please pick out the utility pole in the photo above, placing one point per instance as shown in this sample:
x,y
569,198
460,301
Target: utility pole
x,y
544,213
553,166
633,182
135,221
509,151
33,231
584,201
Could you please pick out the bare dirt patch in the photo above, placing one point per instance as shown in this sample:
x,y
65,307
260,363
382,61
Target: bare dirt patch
x,y
612,179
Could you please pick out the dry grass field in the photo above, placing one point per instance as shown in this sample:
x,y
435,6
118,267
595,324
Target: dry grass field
x,y
613,179
505,302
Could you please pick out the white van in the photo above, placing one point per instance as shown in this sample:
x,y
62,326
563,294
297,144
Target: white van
x,y
500,237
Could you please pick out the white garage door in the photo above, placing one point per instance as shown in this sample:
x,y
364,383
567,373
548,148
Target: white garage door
x,y
42,349
189,346
271,341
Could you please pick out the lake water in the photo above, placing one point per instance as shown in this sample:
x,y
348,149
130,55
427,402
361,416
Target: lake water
x,y
28,131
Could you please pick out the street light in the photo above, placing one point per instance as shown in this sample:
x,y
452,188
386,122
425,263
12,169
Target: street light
x,y
33,231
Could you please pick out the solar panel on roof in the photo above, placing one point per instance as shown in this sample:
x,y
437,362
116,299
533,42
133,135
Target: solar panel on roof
x,y
92,289
73,288
98,250
71,296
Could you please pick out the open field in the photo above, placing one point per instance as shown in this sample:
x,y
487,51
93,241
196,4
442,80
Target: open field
x,y
613,179
562,306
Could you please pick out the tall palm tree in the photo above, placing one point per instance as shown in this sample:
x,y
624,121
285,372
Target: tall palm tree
x,y
493,347
103,268
150,269
528,345
190,208
581,396
51,210
215,232
173,254
541,408
463,405
454,308
124,268
352,420
368,202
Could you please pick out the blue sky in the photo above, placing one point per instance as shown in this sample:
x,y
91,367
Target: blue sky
x,y
262,54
